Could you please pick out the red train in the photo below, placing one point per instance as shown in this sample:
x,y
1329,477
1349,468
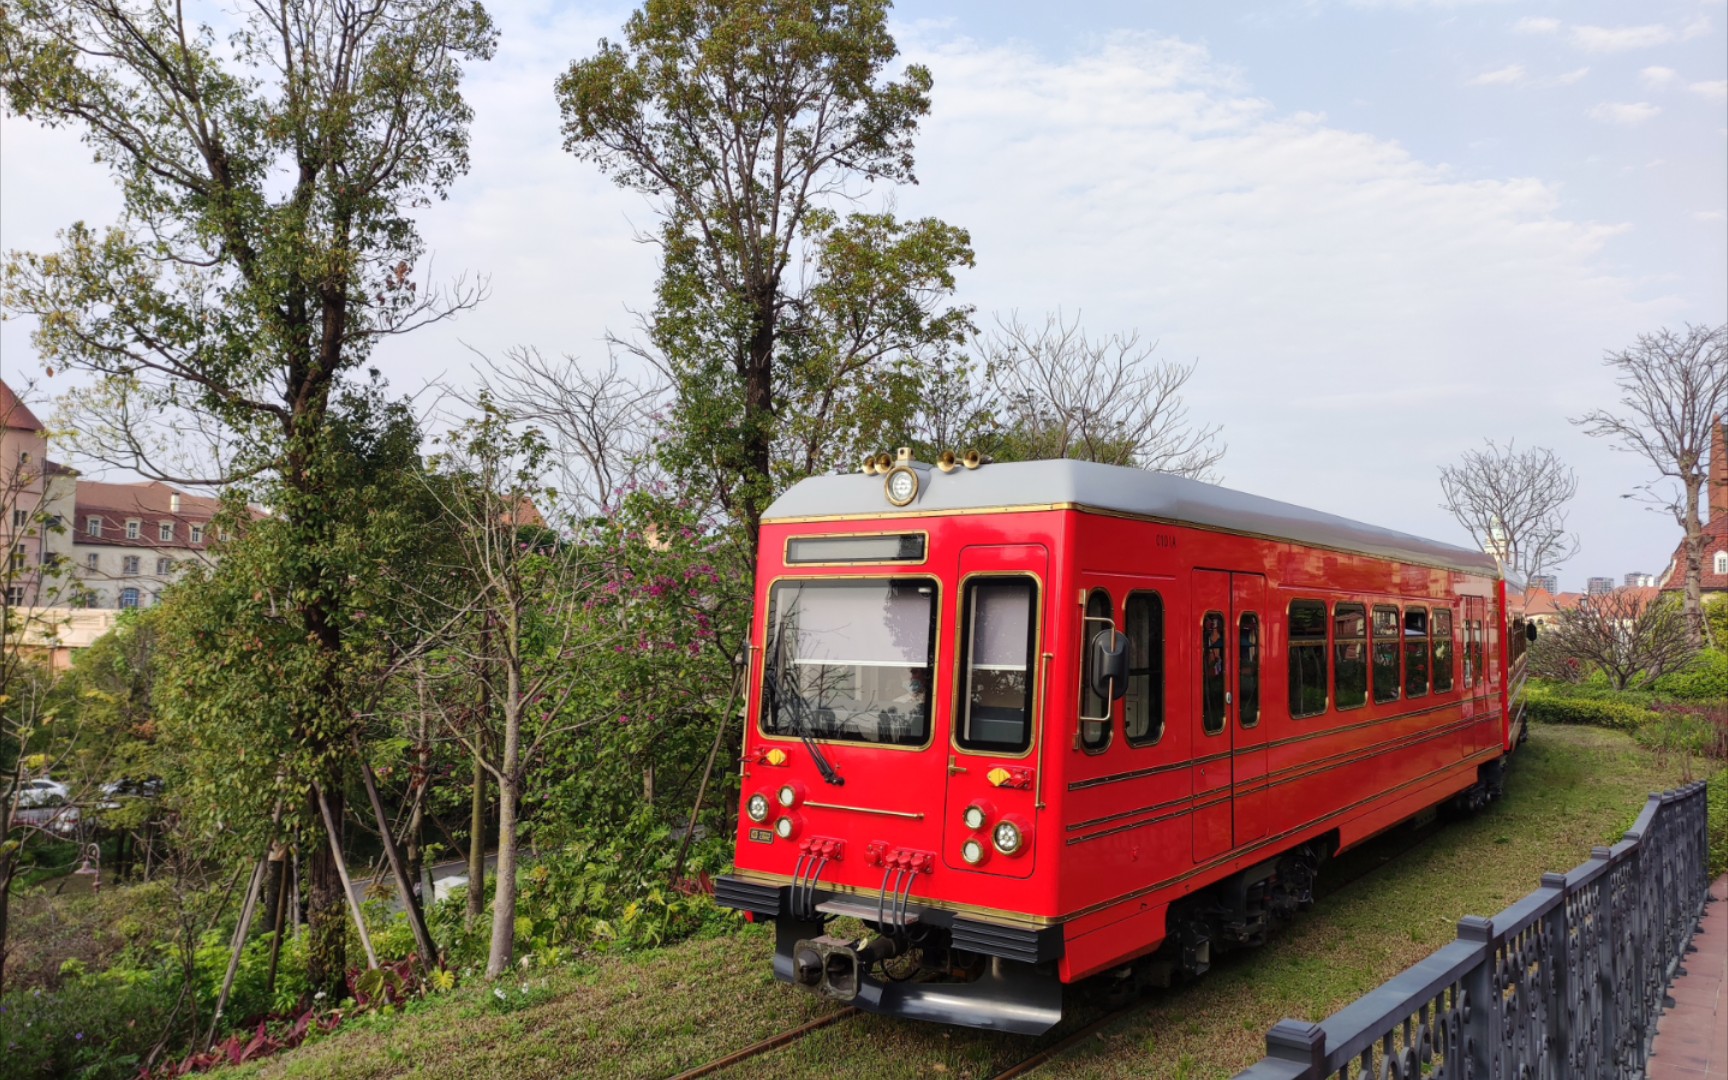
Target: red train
x,y
1037,722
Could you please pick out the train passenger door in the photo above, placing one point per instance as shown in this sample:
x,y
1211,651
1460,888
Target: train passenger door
x,y
1477,706
1229,743
997,732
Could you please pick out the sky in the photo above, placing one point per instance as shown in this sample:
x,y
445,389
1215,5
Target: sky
x,y
1384,229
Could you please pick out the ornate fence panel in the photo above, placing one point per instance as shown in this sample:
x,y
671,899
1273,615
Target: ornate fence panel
x,y
1565,983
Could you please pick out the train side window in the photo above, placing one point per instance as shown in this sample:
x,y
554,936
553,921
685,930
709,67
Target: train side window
x,y
1094,735
1388,634
1442,635
1350,656
998,634
1248,670
1307,658
1415,652
1212,673
1143,708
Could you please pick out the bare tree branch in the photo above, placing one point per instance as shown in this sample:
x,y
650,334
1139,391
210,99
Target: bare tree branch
x,y
1513,504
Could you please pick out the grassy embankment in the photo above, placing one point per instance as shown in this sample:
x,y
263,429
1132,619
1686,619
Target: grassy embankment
x,y
658,1013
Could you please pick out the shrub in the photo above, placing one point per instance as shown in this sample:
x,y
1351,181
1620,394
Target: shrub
x,y
94,1027
1704,678
1545,704
1718,828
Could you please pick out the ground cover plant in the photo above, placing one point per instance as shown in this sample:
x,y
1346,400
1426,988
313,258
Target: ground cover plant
x,y
654,1013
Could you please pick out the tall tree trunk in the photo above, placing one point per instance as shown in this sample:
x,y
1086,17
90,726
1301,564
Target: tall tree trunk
x,y
509,792
326,900
1694,596
7,865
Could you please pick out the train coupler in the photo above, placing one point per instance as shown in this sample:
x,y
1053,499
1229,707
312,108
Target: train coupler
x,y
835,968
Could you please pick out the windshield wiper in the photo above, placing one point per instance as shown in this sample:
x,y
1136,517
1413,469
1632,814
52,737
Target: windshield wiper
x,y
781,691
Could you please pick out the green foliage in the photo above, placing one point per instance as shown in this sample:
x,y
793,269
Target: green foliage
x,y
792,334
1705,678
1718,828
92,1027
1549,705
608,891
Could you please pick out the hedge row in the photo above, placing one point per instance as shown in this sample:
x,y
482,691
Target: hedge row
x,y
1545,705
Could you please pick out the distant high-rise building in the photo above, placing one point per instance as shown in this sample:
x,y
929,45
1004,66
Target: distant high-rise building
x,y
1638,579
1599,586
1548,583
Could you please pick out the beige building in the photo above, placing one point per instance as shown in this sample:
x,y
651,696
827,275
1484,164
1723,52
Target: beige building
x,y
71,543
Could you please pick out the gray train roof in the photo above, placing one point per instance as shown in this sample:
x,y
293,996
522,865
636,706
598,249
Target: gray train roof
x,y
1114,489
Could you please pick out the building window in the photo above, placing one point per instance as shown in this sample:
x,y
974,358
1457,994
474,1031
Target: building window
x,y
20,518
222,535
128,598
134,529
93,561
93,525
1722,562
197,534
165,531
1387,636
1442,650
18,556
1143,706
15,595
1307,658
164,567
129,565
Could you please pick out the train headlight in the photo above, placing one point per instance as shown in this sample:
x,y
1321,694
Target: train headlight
x,y
974,817
1006,837
972,851
787,796
757,807
783,828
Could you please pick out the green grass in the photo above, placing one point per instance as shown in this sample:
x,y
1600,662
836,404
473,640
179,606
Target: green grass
x,y
655,1014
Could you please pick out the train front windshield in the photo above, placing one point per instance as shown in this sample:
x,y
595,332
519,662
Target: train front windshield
x,y
850,660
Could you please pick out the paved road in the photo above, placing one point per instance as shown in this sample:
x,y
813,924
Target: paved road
x,y
372,881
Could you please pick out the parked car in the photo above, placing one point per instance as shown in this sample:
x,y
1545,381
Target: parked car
x,y
118,791
62,818
42,792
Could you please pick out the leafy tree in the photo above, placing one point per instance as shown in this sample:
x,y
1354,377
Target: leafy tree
x,y
266,246
1673,391
790,333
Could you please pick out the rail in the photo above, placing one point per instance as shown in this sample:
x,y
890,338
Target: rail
x,y
1568,981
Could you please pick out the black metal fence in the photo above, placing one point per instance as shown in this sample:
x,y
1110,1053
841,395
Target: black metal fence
x,y
1567,982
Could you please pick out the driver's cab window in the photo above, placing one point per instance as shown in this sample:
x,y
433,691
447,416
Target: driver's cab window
x,y
998,637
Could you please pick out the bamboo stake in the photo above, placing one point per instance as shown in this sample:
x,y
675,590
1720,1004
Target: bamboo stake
x,y
416,917
342,872
239,945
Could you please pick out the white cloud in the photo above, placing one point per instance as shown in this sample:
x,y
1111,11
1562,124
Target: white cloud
x,y
1657,77
1510,75
1627,114
1569,77
1715,91
1710,215
1620,38
1531,24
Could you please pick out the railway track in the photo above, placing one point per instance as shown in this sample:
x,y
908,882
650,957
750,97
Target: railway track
x,y
1356,866
773,1042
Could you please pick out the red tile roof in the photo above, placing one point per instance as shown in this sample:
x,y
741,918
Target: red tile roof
x,y
150,504
1715,539
15,414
